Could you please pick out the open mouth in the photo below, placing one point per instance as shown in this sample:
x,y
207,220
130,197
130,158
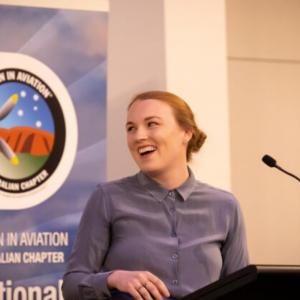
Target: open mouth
x,y
146,150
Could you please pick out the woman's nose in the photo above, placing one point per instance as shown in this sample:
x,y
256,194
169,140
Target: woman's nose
x,y
141,133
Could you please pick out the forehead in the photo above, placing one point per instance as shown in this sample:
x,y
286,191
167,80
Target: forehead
x,y
141,109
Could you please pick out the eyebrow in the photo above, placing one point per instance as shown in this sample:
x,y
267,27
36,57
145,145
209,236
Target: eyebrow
x,y
146,119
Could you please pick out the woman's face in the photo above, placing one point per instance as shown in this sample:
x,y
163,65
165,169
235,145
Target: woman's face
x,y
156,141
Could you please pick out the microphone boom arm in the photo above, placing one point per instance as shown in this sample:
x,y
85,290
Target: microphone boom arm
x,y
286,172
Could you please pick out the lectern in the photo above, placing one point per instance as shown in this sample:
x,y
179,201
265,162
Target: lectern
x,y
254,282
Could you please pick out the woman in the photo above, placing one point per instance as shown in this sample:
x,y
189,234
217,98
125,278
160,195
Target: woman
x,y
160,233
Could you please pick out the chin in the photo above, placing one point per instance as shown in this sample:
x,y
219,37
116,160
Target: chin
x,y
150,167
151,171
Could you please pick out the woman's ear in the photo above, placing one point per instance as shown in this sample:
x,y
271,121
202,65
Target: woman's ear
x,y
188,134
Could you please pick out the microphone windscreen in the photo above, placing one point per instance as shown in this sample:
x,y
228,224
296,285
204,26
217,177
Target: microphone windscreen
x,y
268,160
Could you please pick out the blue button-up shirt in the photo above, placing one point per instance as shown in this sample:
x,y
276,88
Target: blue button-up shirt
x,y
188,237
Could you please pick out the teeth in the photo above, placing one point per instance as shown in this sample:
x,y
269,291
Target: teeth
x,y
146,149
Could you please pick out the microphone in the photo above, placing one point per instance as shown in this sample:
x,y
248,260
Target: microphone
x,y
271,162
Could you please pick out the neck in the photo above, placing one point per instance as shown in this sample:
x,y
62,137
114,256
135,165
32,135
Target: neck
x,y
171,180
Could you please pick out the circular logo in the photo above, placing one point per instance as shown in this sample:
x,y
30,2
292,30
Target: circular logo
x,y
38,138
32,132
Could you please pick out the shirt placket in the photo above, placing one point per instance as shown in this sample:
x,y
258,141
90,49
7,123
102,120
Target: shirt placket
x,y
171,203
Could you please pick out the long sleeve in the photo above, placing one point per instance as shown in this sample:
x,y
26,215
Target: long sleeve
x,y
83,278
234,250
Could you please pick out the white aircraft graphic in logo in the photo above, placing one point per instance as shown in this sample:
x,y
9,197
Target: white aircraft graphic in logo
x,y
6,108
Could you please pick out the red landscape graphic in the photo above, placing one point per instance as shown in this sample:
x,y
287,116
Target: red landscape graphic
x,y
28,140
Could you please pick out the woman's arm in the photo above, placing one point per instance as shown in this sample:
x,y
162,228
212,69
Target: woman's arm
x,y
234,250
83,278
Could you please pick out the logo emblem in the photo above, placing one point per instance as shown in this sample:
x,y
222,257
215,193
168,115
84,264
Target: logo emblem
x,y
34,130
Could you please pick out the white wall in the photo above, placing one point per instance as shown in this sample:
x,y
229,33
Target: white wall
x,y
136,62
196,69
173,46
264,92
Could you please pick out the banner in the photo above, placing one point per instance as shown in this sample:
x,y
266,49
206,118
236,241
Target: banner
x,y
52,140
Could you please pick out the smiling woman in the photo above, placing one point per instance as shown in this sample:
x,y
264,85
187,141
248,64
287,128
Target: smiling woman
x,y
161,136
160,233
182,113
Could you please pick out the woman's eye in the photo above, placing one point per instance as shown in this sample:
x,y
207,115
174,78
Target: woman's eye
x,y
152,124
129,128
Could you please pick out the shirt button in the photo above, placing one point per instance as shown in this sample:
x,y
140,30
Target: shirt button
x,y
171,194
174,256
175,282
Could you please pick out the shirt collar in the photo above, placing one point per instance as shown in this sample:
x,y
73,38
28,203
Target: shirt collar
x,y
160,193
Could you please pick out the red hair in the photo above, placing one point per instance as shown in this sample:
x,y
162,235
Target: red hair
x,y
183,115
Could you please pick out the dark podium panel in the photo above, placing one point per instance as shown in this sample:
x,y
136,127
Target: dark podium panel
x,y
254,282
